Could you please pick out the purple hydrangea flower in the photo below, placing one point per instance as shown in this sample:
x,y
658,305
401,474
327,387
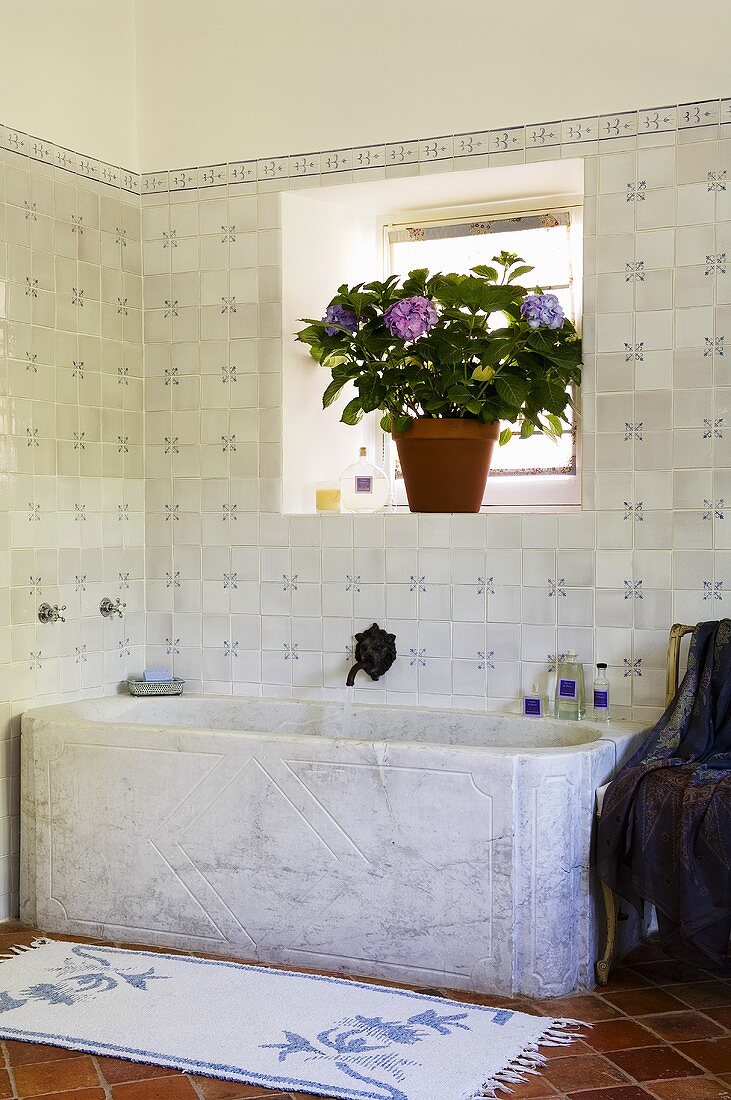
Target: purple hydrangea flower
x,y
341,315
542,310
411,317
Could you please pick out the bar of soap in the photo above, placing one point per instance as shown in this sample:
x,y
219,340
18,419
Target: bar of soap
x,y
157,675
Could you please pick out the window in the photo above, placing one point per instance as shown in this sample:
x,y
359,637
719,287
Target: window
x,y
533,471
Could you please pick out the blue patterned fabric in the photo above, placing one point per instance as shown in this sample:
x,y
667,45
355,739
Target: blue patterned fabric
x,y
665,829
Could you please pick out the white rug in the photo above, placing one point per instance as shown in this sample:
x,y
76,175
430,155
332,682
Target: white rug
x,y
284,1031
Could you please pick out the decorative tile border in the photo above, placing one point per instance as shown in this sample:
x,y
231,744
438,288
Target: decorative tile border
x,y
68,160
499,144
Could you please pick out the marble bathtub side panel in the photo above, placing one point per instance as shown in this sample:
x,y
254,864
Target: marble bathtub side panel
x,y
548,861
433,895
100,801
597,768
28,830
393,861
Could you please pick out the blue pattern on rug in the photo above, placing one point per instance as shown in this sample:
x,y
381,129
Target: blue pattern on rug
x,y
387,1047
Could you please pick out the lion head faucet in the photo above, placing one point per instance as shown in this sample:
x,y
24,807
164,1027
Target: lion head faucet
x,y
375,652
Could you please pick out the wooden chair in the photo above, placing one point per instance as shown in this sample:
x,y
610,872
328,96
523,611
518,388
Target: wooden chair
x,y
611,907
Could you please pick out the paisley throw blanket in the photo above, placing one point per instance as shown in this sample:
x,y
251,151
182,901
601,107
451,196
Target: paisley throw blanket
x,y
665,829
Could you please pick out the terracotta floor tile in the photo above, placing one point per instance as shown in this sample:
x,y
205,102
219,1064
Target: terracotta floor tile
x,y
689,1088
641,1002
619,1035
667,971
15,939
75,1094
212,1089
679,1027
21,1054
492,1000
590,1072
587,1007
721,1015
578,1048
37,1078
116,1070
704,995
646,952
653,1063
624,977
618,1092
162,1088
303,1096
713,1054
6,1089
532,1088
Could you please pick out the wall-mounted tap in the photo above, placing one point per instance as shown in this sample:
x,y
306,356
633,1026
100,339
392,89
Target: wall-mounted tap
x,y
51,614
375,652
107,608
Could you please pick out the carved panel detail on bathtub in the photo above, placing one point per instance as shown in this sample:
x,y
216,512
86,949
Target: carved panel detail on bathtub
x,y
258,847
105,803
425,892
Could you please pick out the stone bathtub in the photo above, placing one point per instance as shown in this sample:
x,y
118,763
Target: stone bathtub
x,y
443,848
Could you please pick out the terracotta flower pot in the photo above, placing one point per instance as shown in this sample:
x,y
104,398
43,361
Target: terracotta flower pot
x,y
445,463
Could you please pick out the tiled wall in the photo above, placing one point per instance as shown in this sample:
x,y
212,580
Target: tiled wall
x,y
242,598
71,441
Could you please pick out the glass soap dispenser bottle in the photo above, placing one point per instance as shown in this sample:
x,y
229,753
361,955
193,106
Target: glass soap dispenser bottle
x,y
570,688
601,693
363,486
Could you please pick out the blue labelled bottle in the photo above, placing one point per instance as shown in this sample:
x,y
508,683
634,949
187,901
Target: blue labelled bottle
x,y
570,688
601,694
533,703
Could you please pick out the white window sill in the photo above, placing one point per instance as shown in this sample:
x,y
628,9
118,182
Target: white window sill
x,y
492,510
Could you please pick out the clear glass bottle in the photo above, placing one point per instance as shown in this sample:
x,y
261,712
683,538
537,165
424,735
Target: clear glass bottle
x,y
601,694
363,486
533,703
551,689
570,702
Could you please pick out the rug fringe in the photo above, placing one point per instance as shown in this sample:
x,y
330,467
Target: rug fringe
x,y
19,948
559,1033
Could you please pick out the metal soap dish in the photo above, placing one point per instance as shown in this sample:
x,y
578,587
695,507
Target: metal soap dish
x,y
149,687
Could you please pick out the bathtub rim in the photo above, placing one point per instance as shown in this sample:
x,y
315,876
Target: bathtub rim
x,y
63,715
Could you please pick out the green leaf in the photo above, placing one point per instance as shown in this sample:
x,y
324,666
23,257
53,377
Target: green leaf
x,y
505,436
352,412
331,393
555,423
486,272
475,295
512,389
516,272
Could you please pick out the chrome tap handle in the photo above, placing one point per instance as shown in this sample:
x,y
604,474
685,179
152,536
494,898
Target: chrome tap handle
x,y
107,608
51,614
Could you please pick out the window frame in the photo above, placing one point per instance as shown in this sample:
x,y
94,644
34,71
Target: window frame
x,y
504,490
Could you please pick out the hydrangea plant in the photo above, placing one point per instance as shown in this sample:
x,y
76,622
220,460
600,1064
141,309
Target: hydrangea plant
x,y
478,347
